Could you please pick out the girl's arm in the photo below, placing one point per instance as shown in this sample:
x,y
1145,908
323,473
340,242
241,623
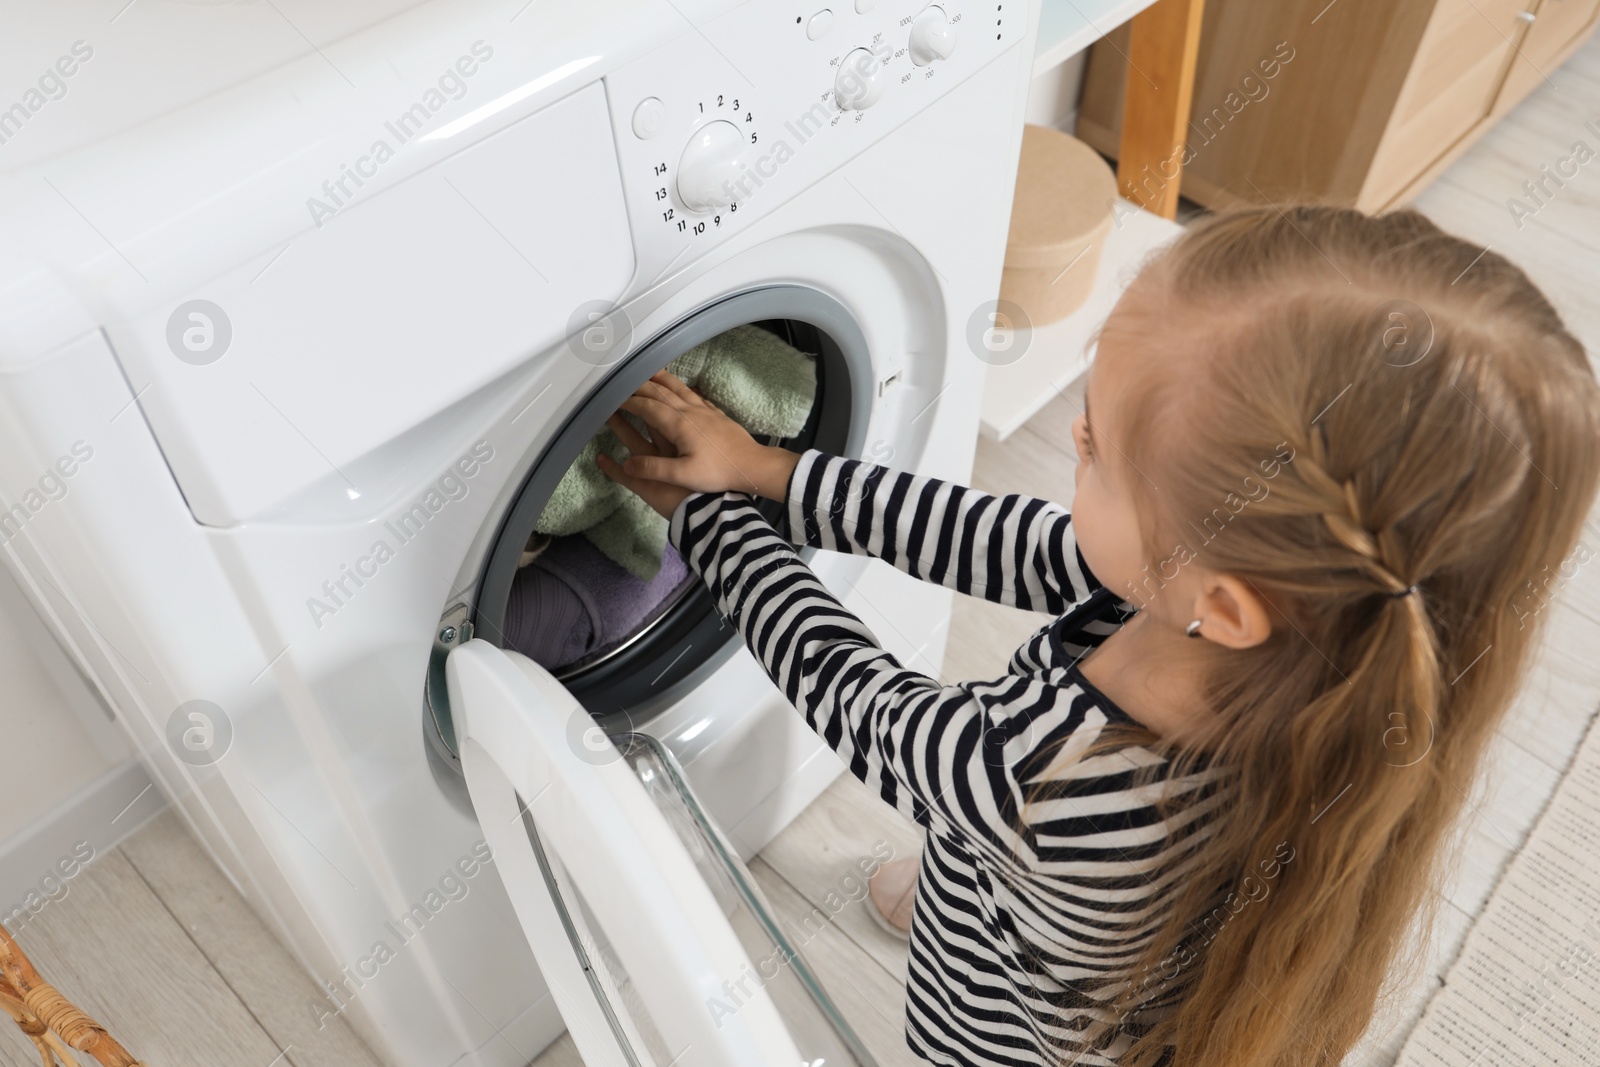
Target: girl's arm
x,y
954,756
1011,549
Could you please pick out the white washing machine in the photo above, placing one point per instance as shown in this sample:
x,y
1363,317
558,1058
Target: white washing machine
x,y
302,314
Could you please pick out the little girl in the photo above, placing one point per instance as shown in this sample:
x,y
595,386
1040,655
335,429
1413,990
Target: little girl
x,y
1322,461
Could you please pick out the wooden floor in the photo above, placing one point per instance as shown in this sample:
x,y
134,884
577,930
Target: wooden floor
x,y
154,941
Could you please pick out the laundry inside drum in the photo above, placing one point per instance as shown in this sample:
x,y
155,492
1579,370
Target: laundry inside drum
x,y
597,572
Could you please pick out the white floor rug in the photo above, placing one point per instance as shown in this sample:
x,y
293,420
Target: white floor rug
x,y
1525,990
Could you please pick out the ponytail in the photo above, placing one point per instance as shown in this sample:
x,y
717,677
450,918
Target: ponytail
x,y
1391,551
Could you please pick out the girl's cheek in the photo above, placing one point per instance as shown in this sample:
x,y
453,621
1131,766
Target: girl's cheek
x,y
1088,524
1108,533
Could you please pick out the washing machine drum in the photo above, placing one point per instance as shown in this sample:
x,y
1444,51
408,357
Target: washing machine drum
x,y
607,606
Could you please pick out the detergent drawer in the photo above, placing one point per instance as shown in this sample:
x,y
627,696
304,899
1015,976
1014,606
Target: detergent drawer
x,y
276,378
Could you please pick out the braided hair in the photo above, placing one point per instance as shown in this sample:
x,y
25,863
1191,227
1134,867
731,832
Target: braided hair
x,y
1444,428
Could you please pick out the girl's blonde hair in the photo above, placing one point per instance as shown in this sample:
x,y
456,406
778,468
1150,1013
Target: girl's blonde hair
x,y
1444,429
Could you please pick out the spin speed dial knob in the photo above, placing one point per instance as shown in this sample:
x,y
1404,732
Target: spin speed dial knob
x,y
932,36
711,165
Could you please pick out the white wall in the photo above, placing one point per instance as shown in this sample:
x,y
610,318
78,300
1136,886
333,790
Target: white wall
x,y
1053,97
73,788
56,735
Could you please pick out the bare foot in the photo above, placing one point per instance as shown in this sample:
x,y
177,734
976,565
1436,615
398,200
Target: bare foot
x,y
893,888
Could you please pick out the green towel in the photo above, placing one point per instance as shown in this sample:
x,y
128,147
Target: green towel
x,y
633,535
764,383
756,378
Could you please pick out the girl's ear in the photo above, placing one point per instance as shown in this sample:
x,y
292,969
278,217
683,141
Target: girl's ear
x,y
1232,613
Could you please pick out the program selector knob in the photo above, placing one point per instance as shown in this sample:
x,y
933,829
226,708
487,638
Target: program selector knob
x,y
932,37
860,81
711,165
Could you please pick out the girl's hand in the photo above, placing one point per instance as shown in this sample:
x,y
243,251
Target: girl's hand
x,y
663,497
693,447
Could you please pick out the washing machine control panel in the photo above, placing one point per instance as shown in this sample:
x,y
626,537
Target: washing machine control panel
x,y
725,123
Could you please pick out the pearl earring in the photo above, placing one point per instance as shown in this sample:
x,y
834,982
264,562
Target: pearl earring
x,y
1193,629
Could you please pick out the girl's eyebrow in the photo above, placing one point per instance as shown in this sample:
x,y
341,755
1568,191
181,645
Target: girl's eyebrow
x,y
1088,419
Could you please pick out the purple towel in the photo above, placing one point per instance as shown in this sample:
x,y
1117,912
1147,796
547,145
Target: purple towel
x,y
572,602
548,620
622,601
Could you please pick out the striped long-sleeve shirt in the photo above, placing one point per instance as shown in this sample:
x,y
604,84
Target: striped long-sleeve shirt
x,y
1036,889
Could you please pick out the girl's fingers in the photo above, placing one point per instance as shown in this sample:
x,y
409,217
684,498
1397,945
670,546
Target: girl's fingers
x,y
660,391
613,470
662,418
632,439
669,380
653,468
677,387
662,496
637,473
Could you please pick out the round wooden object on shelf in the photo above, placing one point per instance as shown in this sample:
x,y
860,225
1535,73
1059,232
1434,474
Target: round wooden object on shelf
x,y
1060,217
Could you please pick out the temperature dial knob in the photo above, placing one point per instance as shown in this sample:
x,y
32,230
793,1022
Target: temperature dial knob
x,y
711,166
860,82
932,37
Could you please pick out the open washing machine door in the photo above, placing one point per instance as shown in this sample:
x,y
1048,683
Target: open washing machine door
x,y
656,945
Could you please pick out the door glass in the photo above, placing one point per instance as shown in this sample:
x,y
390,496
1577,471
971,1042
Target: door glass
x,y
636,1033
819,1031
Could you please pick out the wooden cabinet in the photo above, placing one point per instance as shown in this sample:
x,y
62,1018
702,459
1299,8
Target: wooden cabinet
x,y
1557,27
1357,102
1451,86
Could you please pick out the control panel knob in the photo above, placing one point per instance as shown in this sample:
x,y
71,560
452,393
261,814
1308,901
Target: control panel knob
x,y
711,166
860,81
932,37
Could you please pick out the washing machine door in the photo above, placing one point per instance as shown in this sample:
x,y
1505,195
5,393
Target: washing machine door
x,y
639,949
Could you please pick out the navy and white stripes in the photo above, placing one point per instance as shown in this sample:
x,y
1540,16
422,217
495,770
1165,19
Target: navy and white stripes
x,y
1042,873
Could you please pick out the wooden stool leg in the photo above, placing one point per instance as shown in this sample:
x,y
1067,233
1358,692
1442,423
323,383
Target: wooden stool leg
x,y
50,1020
1162,51
47,1044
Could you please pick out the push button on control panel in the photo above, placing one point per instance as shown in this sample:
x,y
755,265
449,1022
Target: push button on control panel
x,y
648,118
819,24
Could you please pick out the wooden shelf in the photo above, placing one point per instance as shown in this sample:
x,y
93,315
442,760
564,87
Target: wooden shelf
x,y
1067,27
1059,353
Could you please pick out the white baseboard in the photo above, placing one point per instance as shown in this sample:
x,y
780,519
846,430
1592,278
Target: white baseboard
x,y
38,865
